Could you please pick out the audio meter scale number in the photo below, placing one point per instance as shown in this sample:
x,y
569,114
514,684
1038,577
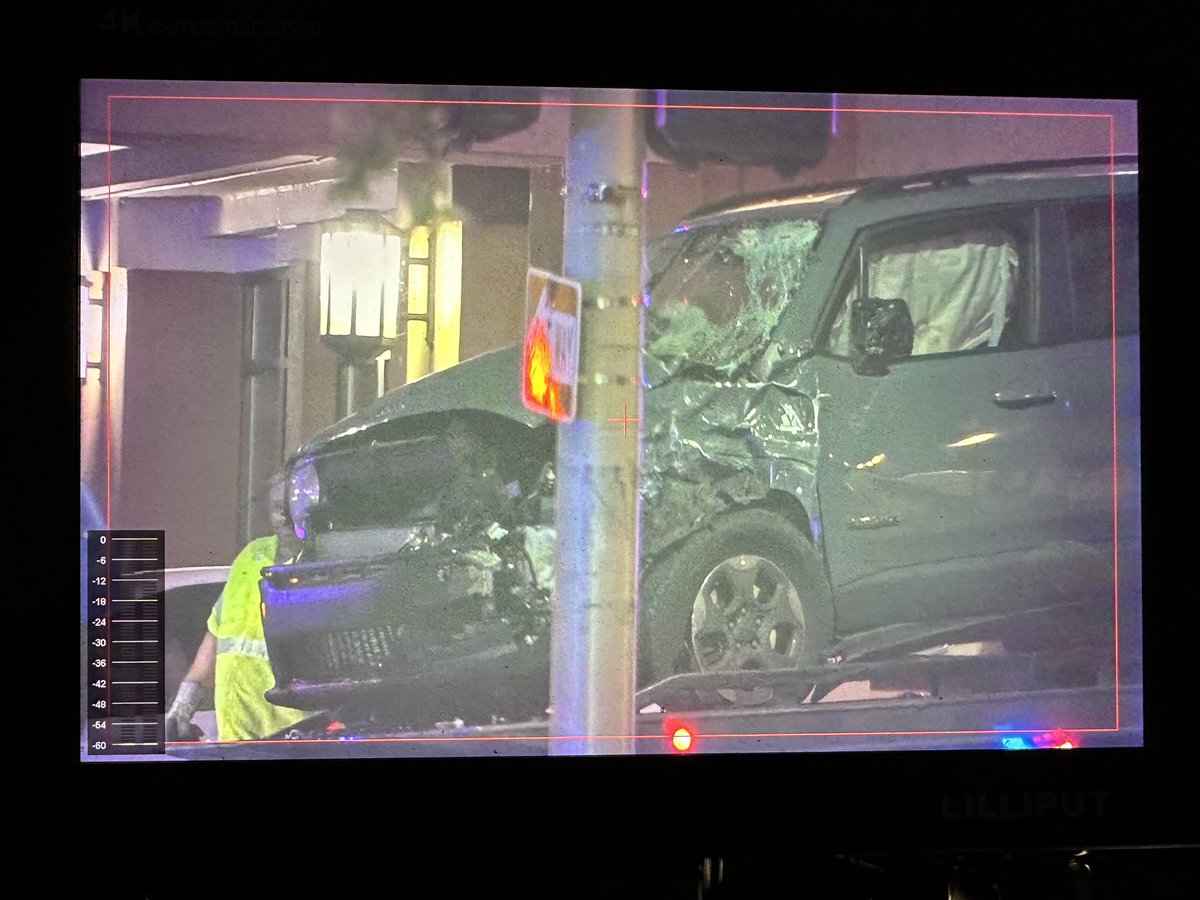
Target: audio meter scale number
x,y
125,674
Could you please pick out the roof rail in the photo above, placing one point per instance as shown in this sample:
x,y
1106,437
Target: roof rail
x,y
883,185
956,177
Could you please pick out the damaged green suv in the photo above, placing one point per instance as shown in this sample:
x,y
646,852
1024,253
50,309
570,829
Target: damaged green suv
x,y
877,415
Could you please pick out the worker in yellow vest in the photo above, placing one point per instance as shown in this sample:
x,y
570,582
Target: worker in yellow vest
x,y
232,662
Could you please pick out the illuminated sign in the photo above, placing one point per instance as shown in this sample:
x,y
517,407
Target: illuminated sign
x,y
550,363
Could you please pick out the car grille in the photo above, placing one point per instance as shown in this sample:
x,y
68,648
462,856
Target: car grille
x,y
355,654
361,649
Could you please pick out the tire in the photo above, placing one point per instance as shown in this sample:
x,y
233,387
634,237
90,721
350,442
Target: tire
x,y
751,544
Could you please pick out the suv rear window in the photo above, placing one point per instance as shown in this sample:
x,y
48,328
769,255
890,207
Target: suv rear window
x,y
1091,266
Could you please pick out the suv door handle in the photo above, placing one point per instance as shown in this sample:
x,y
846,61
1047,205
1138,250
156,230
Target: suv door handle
x,y
1018,400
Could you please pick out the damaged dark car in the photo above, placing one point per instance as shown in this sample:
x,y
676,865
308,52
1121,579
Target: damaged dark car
x,y
885,412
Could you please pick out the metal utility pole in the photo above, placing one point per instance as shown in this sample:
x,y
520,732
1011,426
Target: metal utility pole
x,y
594,616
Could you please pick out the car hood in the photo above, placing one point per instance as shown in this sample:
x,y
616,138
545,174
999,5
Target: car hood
x,y
708,444
489,383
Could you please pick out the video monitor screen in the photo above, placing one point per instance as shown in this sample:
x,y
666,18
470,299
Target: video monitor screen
x,y
439,420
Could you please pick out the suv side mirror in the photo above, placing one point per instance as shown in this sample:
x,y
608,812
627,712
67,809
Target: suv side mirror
x,y
880,331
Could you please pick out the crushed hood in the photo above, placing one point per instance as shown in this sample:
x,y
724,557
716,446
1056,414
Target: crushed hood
x,y
731,414
489,382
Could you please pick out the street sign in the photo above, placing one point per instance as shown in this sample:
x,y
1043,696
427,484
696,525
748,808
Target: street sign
x,y
550,363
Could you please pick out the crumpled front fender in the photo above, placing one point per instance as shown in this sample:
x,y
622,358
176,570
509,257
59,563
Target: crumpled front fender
x,y
712,446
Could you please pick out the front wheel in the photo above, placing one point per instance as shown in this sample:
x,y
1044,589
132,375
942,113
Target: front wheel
x,y
748,594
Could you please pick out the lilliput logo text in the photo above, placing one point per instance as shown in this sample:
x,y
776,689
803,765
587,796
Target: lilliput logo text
x,y
1025,804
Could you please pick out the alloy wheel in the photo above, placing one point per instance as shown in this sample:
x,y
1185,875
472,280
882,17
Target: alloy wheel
x,y
747,615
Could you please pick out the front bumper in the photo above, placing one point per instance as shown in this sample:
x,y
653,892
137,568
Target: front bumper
x,y
338,631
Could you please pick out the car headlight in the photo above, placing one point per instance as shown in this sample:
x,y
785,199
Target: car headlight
x,y
304,492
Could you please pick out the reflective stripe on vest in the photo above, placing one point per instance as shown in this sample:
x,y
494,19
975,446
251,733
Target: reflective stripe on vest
x,y
243,646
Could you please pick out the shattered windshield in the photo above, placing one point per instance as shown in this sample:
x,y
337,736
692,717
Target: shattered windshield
x,y
718,291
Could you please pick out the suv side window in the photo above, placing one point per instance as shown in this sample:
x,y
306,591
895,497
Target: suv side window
x,y
1090,269
962,284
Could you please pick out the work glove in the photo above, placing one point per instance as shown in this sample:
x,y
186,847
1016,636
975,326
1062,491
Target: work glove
x,y
188,699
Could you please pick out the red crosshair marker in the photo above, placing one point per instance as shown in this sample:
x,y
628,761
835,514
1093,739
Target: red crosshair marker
x,y
625,421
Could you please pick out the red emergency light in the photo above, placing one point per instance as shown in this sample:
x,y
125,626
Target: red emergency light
x,y
681,740
681,736
1058,739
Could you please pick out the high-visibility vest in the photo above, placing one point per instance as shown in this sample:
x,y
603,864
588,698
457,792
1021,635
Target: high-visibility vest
x,y
244,673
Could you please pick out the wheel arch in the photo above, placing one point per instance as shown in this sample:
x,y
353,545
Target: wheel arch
x,y
793,509
770,518
782,503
